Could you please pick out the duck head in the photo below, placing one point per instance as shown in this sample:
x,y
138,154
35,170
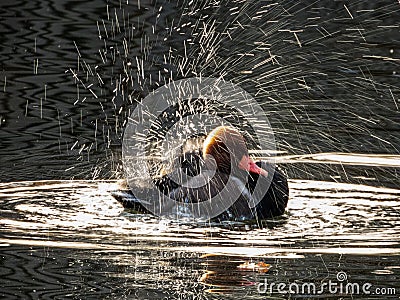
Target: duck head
x,y
228,149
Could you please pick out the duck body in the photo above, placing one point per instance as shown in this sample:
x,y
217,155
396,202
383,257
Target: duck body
x,y
273,202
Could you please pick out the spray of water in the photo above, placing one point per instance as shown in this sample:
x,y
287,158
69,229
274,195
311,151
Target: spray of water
x,y
325,72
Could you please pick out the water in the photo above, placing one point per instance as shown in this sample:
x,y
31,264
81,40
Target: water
x,y
72,239
327,74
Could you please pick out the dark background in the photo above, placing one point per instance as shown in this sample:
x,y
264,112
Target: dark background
x,y
71,71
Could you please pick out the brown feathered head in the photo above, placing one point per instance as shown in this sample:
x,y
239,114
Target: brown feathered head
x,y
227,146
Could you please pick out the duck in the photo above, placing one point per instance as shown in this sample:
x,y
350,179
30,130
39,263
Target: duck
x,y
223,156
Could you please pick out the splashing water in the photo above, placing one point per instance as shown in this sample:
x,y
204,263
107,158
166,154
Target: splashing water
x,y
317,70
324,72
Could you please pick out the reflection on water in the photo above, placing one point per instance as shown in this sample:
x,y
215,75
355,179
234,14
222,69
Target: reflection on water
x,y
71,238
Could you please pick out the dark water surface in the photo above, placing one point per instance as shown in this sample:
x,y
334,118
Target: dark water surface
x,y
71,239
325,72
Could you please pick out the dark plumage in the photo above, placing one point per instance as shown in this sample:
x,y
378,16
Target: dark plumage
x,y
215,173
